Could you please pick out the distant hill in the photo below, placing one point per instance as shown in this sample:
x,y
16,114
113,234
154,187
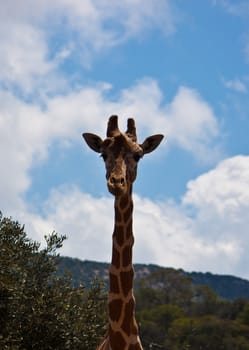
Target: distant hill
x,y
225,286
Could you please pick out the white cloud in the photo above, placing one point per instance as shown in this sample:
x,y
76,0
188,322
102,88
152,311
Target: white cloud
x,y
21,128
28,130
212,238
193,124
238,8
208,230
87,222
188,121
32,46
220,199
23,60
223,193
236,85
136,16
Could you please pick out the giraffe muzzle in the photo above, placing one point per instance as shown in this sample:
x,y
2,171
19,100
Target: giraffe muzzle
x,y
117,185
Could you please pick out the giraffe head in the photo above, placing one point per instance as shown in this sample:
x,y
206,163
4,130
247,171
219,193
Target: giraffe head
x,y
121,153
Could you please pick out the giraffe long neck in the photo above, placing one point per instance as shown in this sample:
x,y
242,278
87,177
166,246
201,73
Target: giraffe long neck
x,y
123,329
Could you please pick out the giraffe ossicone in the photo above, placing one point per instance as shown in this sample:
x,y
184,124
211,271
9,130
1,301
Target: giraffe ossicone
x,y
121,153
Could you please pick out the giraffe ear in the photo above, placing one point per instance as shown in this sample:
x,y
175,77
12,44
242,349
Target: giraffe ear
x,y
151,143
93,141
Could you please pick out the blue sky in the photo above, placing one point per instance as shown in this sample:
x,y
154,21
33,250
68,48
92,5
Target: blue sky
x,y
177,67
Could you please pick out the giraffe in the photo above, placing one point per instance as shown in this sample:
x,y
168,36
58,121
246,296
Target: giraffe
x,y
121,153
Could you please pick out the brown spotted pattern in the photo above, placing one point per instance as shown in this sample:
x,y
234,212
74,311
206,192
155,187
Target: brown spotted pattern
x,y
123,329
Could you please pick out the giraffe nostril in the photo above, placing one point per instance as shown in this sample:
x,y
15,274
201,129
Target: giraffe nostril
x,y
113,181
117,180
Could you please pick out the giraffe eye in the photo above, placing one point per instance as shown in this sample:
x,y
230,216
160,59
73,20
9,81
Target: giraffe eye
x,y
136,157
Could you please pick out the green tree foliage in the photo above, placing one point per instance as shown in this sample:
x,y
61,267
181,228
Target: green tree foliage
x,y
170,286
207,333
155,323
175,315
38,309
243,316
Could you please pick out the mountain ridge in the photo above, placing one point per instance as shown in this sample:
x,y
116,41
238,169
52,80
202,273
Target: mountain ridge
x,y
84,271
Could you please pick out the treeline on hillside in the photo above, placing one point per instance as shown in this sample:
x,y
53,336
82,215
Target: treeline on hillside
x,y
173,314
226,286
41,310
